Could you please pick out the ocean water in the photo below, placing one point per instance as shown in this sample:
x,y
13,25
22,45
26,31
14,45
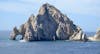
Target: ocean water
x,y
47,47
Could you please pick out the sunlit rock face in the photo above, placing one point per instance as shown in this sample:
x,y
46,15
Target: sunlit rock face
x,y
49,24
96,37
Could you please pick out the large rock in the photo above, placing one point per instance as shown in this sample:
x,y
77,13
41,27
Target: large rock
x,y
49,24
96,37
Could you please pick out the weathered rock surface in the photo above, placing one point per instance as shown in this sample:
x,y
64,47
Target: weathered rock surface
x,y
49,24
96,37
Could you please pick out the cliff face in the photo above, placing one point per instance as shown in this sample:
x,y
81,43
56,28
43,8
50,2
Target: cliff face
x,y
49,24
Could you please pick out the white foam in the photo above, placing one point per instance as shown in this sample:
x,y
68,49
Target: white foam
x,y
22,41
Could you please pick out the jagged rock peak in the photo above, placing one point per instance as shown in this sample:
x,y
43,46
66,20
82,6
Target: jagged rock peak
x,y
47,8
49,24
31,18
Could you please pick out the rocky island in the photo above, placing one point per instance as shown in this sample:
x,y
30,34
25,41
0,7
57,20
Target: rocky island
x,y
96,37
48,25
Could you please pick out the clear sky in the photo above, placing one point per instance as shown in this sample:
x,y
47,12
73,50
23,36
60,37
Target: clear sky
x,y
84,13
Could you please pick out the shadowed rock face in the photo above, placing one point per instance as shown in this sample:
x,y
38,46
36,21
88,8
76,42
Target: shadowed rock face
x,y
49,24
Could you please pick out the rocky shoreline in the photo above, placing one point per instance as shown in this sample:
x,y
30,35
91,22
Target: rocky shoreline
x,y
49,25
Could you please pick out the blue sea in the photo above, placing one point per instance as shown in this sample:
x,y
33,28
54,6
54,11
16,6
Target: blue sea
x,y
47,47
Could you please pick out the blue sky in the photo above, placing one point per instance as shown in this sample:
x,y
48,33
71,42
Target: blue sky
x,y
84,13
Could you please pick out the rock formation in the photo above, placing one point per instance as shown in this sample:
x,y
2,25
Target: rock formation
x,y
49,24
79,35
96,37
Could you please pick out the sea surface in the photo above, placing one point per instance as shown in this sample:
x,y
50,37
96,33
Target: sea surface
x,y
47,47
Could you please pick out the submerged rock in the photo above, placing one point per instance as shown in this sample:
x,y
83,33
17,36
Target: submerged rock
x,y
49,24
96,37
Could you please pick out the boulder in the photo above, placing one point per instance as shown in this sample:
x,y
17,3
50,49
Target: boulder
x,y
49,24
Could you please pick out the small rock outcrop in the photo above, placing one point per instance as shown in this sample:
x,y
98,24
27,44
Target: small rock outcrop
x,y
96,37
14,33
79,35
49,24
